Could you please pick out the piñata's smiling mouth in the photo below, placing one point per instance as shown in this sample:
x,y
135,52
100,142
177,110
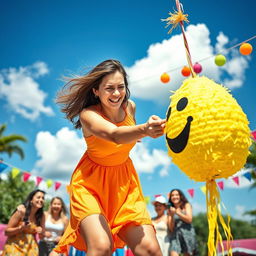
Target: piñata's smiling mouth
x,y
179,143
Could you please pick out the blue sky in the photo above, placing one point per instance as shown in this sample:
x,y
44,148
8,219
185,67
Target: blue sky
x,y
42,41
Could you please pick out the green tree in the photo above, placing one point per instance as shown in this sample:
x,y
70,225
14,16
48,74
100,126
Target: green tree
x,y
8,143
239,229
200,224
12,193
251,164
251,159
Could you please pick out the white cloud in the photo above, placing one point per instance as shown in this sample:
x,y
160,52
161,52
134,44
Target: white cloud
x,y
222,40
22,93
147,162
239,213
198,208
59,154
169,56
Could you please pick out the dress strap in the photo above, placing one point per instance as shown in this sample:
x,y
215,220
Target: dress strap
x,y
48,218
125,107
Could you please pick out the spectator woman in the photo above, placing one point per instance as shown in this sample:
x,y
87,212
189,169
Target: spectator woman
x,y
160,222
56,222
182,238
23,227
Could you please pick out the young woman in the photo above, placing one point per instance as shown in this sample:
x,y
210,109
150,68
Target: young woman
x,y
24,225
182,238
56,222
107,205
160,222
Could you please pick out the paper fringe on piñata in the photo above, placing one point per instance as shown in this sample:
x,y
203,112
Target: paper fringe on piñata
x,y
207,137
215,139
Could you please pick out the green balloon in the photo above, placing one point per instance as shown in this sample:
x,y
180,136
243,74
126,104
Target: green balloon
x,y
220,60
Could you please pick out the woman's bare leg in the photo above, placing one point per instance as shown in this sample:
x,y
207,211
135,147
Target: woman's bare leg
x,y
141,240
97,236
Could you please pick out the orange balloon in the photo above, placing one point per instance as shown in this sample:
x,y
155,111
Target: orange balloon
x,y
185,71
165,78
245,49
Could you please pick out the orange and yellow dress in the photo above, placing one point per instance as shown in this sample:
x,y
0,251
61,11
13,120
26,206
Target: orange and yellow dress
x,y
105,182
22,244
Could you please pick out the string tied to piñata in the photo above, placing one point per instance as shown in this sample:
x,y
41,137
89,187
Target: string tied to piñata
x,y
175,19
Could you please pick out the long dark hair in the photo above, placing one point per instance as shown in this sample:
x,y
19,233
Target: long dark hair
x,y
39,213
183,199
77,93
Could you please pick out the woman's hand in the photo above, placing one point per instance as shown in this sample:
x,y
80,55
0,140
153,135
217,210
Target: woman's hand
x,y
47,234
39,230
155,126
178,211
171,211
23,226
57,239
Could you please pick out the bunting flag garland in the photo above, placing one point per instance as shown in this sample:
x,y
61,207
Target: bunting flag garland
x,y
26,176
49,183
236,180
203,189
3,166
15,172
253,133
248,176
38,180
57,185
191,192
220,185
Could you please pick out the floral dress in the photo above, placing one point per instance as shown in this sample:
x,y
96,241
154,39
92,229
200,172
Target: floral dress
x,y
22,244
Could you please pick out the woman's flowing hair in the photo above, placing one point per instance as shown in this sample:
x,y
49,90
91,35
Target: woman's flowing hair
x,y
183,199
39,213
63,211
77,93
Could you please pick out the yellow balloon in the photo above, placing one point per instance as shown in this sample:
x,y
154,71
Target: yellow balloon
x,y
207,131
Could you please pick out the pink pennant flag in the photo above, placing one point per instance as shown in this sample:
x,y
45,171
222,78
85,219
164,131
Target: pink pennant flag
x,y
26,176
191,192
236,180
57,185
220,185
253,133
38,180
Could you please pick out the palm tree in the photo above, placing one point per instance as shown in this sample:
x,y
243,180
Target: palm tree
x,y
8,145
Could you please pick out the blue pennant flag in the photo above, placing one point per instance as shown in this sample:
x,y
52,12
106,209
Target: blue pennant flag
x,y
248,176
3,167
